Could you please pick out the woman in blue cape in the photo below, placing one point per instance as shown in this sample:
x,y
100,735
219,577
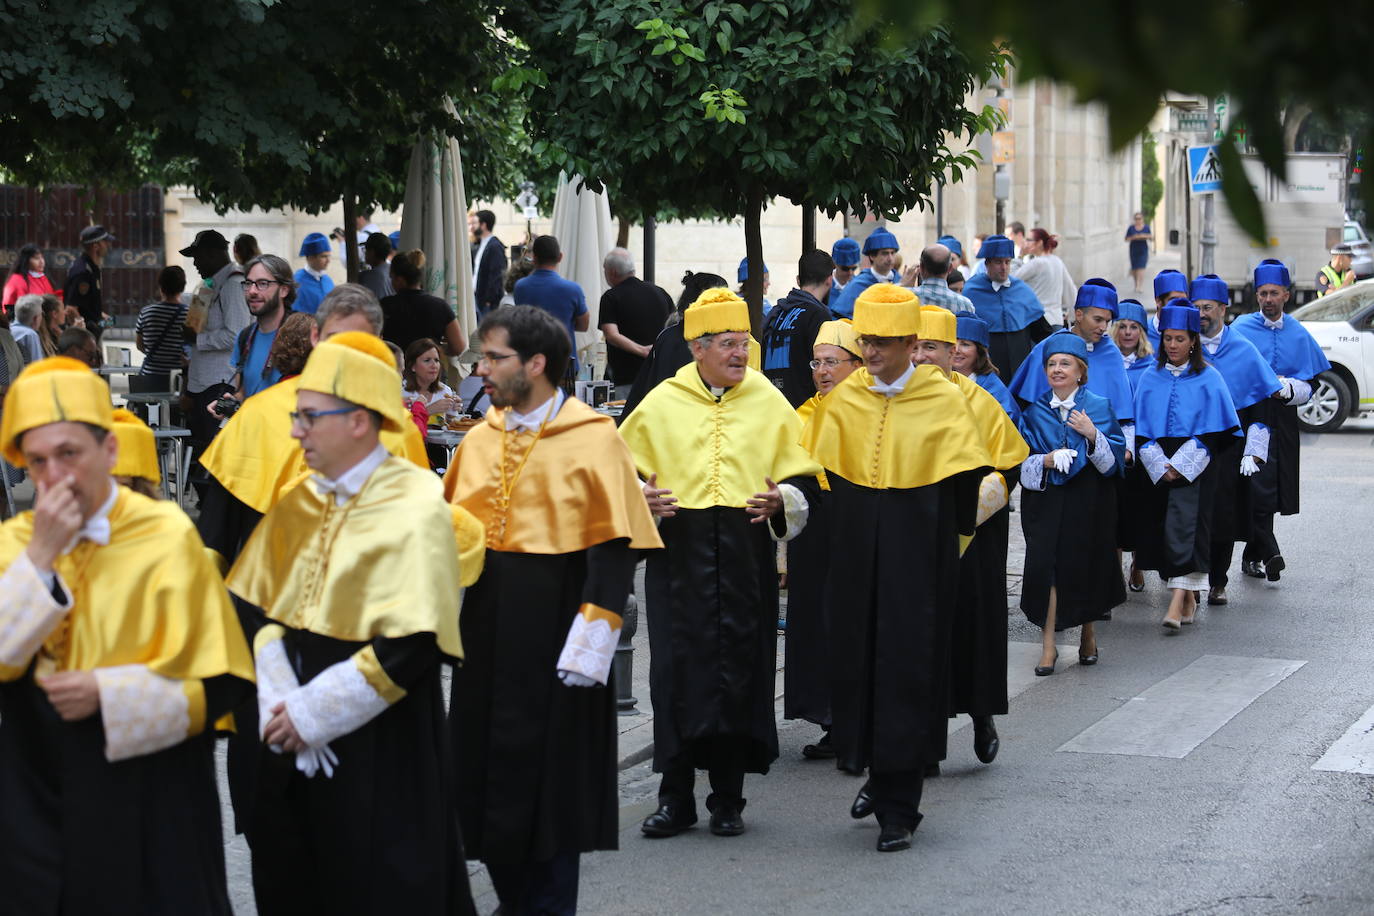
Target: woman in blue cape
x,y
971,359
1131,333
1068,503
1184,416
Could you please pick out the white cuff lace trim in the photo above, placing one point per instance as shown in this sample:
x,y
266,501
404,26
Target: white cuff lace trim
x,y
143,712
1033,473
1128,431
275,679
1191,459
28,613
1152,456
1302,392
1102,457
588,651
338,701
992,496
795,511
1257,442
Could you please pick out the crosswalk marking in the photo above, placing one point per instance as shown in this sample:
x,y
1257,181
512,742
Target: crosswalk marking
x,y
1353,752
1175,715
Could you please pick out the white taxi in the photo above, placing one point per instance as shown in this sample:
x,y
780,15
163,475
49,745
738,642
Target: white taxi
x,y
1343,325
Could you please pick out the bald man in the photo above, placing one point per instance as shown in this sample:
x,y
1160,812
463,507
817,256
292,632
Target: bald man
x,y
936,263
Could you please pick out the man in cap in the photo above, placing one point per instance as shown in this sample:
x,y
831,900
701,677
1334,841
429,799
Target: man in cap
x,y
120,652
742,274
532,798
956,249
846,255
212,329
1169,284
718,447
1336,273
1251,382
1296,359
312,283
904,461
350,587
936,263
83,280
881,250
1015,317
791,329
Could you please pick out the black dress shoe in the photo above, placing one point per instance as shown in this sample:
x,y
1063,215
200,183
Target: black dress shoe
x,y
893,838
669,820
985,740
1252,568
821,750
1047,670
726,820
932,771
1273,566
1216,596
863,804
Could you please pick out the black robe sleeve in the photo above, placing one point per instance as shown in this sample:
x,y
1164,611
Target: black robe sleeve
x,y
610,574
809,487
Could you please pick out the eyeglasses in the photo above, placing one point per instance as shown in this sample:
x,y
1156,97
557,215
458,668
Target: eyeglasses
x,y
305,419
262,285
729,345
830,362
491,359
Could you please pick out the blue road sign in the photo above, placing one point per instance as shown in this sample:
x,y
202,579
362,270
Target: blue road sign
x,y
1204,169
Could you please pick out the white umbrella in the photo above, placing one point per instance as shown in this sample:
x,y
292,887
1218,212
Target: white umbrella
x,y
582,225
435,220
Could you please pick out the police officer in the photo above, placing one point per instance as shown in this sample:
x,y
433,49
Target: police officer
x,y
1336,274
83,282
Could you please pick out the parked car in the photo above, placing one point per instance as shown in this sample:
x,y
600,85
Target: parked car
x,y
1362,261
1343,325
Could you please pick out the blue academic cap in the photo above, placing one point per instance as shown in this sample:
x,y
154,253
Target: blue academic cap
x,y
1180,315
1272,270
1131,310
971,327
951,243
744,268
315,243
879,239
395,240
1209,286
997,246
1064,342
1170,281
845,253
1096,293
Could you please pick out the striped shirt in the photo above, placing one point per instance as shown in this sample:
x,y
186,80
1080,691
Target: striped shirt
x,y
935,291
161,324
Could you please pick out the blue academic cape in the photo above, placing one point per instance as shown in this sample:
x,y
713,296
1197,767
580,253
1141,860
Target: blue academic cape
x,y
1190,405
1106,376
1044,432
993,385
1289,350
310,292
1006,310
842,302
1248,377
1136,371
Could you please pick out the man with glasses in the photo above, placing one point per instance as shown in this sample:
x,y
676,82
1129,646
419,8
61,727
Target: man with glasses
x,y
791,329
350,587
532,798
846,255
269,291
717,446
904,460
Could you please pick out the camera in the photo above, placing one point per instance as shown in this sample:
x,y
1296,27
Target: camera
x,y
226,406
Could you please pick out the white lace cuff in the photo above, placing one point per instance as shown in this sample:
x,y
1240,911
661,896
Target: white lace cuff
x,y
1191,459
1152,456
795,510
1302,391
1102,457
1257,442
1128,431
992,496
1033,473
143,712
28,614
338,701
590,646
275,677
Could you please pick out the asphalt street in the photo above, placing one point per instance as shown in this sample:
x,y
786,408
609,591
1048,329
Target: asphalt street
x,y
1217,771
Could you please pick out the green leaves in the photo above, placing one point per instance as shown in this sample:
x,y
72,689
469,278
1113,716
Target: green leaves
x,y
723,105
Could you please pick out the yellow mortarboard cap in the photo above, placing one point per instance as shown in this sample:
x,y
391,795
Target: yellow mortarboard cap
x,y
887,310
938,324
716,311
58,389
137,447
358,367
838,333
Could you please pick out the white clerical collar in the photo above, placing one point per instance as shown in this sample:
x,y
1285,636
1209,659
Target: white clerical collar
x,y
889,390
1176,371
350,483
1066,403
521,422
1272,325
997,285
1211,343
96,529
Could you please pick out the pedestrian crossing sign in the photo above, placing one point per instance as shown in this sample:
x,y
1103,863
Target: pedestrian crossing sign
x,y
1204,167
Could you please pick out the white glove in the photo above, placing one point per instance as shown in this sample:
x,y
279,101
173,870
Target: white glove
x,y
1286,392
311,760
1063,459
573,679
1249,466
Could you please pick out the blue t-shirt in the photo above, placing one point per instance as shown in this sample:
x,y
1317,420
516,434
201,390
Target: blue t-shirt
x,y
253,378
563,299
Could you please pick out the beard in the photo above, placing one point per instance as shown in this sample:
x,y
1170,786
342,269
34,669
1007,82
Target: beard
x,y
512,391
269,307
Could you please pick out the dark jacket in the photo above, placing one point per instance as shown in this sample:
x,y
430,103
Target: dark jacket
x,y
491,276
786,344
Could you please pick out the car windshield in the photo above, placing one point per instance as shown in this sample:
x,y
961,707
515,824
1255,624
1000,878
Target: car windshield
x,y
1351,233
1338,306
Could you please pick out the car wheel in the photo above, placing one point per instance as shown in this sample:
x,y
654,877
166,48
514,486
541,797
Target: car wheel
x,y
1328,407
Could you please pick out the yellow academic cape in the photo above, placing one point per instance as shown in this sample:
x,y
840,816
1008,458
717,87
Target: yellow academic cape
x,y
1005,445
716,452
384,564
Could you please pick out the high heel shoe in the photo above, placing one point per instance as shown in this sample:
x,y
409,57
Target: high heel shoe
x,y
1087,659
1131,582
1047,670
1172,625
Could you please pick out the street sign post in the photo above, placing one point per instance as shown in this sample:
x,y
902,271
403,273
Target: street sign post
x,y
1204,169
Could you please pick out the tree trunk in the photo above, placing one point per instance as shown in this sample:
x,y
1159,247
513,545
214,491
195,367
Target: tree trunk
x,y
1293,117
622,235
808,228
753,249
350,229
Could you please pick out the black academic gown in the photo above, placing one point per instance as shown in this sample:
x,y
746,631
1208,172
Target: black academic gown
x,y
1275,487
669,353
1070,532
892,618
1176,522
536,758
806,677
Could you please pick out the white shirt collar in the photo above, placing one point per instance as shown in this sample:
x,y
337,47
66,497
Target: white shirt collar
x,y
895,388
1176,371
520,422
997,286
1066,404
350,483
96,529
1272,325
1211,343
889,277
317,274
1129,358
